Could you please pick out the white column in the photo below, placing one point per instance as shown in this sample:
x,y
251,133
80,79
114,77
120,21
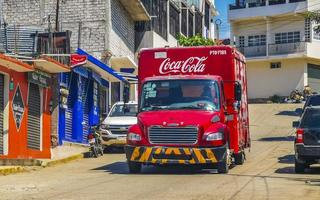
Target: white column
x,y
268,35
121,90
287,1
232,35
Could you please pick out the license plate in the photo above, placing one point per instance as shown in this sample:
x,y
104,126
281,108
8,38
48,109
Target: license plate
x,y
91,141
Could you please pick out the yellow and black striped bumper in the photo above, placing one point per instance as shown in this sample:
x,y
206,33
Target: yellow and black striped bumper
x,y
175,155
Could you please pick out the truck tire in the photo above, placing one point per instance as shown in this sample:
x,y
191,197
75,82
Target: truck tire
x,y
223,166
134,167
239,158
299,167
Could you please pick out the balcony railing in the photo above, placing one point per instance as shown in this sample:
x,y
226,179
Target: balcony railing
x,y
274,49
288,48
259,3
253,51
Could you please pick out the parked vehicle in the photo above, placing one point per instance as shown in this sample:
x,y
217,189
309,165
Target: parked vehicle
x,y
192,109
313,100
114,128
307,142
94,140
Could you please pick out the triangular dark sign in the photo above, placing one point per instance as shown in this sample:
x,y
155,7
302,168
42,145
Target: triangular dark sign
x,y
18,107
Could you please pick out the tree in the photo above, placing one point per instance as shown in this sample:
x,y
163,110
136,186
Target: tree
x,y
314,17
196,40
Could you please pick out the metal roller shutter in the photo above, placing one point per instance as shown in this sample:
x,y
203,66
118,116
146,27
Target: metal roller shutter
x,y
1,111
314,77
85,107
34,117
69,110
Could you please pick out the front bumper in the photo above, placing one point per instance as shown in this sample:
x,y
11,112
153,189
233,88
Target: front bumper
x,y
175,155
109,139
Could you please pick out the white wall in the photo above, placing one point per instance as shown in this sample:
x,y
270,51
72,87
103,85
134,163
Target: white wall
x,y
264,82
277,25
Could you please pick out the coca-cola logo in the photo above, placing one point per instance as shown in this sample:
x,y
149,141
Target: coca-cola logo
x,y
190,65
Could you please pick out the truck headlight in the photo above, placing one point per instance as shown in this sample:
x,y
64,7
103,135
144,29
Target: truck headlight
x,y
134,137
215,136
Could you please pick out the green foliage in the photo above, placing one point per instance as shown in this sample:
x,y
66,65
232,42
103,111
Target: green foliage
x,y
196,40
315,17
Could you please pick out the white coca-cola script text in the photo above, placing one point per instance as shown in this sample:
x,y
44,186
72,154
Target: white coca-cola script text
x,y
190,65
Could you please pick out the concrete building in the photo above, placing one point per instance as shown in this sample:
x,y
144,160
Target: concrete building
x,y
281,46
170,18
103,28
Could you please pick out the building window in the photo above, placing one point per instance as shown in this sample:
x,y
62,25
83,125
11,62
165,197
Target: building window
x,y
174,21
190,22
207,15
241,41
198,23
184,19
289,37
256,40
316,33
275,65
307,28
160,10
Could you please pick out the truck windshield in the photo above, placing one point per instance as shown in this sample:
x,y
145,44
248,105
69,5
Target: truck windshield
x,y
180,95
119,110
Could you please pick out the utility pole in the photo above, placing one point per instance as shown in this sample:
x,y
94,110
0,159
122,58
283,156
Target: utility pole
x,y
57,15
218,22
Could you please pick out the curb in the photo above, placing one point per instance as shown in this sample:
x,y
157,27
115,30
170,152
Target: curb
x,y
12,170
62,161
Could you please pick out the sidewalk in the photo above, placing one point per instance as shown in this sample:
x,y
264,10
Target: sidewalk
x,y
65,153
59,155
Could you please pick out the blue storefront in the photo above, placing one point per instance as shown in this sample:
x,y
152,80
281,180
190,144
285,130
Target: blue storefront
x,y
81,96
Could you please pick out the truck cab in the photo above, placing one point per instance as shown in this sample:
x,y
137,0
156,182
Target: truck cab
x,y
186,118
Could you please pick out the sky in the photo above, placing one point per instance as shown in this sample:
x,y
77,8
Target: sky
x,y
222,6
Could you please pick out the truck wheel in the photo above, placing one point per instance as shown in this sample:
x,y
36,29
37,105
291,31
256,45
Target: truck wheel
x,y
223,166
299,167
134,167
239,158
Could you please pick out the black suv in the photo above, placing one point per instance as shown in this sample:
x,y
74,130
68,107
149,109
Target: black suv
x,y
313,100
307,142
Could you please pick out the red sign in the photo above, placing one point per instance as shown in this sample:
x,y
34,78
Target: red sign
x,y
77,60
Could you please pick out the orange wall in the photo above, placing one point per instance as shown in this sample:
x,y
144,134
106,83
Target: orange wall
x,y
18,138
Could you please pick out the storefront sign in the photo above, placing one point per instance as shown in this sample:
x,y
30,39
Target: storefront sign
x,y
39,78
77,60
18,107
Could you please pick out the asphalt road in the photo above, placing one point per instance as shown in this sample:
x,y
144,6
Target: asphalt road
x,y
267,174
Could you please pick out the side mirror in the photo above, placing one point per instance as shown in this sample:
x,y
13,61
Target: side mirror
x,y
295,124
126,93
237,92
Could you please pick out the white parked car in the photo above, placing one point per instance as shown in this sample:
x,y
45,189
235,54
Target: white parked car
x,y
115,127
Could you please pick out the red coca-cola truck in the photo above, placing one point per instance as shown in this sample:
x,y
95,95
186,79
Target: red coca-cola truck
x,y
193,108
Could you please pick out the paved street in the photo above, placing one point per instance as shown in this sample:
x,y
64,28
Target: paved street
x,y
267,174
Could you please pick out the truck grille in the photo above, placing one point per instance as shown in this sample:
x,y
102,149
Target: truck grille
x,y
119,129
173,135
